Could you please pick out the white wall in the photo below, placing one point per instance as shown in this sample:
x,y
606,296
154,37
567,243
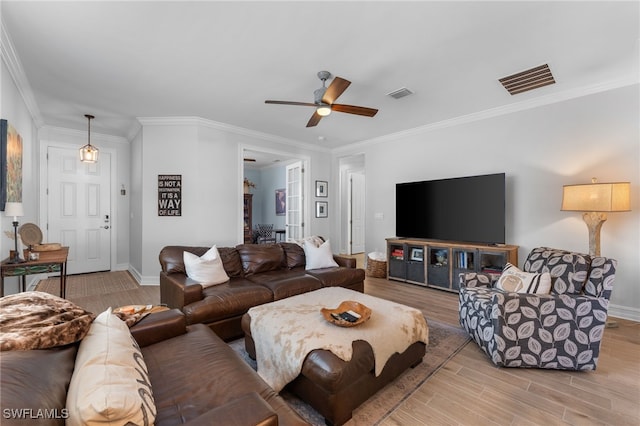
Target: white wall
x,y
540,150
208,155
15,111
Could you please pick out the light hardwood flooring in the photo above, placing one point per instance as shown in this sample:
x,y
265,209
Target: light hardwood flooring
x,y
470,390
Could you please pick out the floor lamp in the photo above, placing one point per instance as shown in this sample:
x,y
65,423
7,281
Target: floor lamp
x,y
596,200
15,210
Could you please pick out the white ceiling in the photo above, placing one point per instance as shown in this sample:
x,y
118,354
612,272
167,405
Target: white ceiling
x,y
221,60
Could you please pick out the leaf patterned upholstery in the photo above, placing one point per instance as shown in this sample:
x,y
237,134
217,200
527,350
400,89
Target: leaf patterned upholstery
x,y
561,330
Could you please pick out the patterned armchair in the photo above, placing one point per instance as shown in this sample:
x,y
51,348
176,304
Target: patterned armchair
x,y
265,234
561,330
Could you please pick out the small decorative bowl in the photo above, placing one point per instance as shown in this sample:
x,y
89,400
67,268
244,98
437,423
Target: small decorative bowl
x,y
348,305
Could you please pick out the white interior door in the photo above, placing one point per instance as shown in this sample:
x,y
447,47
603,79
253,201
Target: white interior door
x,y
294,217
79,209
356,212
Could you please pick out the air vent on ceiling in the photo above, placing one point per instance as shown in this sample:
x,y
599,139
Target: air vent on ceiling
x,y
528,80
400,93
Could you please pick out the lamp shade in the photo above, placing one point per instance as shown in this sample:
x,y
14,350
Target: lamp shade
x,y
13,209
89,154
597,197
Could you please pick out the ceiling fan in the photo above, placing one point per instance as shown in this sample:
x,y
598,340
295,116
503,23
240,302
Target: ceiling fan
x,y
325,97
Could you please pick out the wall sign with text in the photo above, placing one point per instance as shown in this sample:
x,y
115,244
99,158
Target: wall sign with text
x,y
169,195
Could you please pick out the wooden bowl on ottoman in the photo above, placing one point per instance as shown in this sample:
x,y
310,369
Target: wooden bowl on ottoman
x,y
332,315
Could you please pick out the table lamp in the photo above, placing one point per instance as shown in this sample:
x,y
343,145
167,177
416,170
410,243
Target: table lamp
x,y
15,210
596,199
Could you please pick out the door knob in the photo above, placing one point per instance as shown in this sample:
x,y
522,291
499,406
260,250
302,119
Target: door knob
x,y
105,227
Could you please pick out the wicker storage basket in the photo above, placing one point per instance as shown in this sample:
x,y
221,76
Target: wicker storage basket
x,y
376,268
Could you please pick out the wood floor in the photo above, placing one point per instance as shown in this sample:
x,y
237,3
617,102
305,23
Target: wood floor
x,y
470,390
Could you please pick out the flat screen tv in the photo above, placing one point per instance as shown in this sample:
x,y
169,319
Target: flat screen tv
x,y
466,209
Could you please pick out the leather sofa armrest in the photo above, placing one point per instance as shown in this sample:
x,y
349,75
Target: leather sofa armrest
x,y
177,290
345,262
249,409
159,326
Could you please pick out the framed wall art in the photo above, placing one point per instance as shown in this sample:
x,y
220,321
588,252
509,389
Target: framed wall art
x,y
322,209
322,188
10,164
169,195
281,202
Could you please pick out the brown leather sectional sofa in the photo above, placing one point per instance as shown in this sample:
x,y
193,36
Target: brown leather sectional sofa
x,y
35,382
259,273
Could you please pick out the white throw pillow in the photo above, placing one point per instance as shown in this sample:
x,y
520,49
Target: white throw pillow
x,y
207,269
318,257
517,281
110,381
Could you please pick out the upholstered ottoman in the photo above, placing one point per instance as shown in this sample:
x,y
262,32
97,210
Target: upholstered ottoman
x,y
331,385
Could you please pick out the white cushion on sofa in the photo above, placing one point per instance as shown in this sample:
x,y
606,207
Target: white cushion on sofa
x,y
517,281
318,257
207,269
110,382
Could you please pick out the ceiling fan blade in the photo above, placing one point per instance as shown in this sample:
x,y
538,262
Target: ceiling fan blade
x,y
352,109
335,89
314,120
290,103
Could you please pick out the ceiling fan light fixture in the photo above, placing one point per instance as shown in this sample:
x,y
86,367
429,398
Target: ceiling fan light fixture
x,y
89,153
323,110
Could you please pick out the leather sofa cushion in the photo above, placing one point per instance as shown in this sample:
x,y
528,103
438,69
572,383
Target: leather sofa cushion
x,y
36,379
285,283
294,255
333,277
259,258
231,261
227,300
183,390
172,259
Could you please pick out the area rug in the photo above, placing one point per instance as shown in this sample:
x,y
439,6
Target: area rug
x,y
445,341
100,290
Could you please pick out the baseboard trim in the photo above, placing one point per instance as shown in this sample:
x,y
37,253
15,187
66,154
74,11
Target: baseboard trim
x,y
624,312
142,280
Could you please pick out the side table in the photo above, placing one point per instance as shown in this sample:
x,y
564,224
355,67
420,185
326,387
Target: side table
x,y
49,261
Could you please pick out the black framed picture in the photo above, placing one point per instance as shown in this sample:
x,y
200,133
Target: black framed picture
x,y
322,209
169,195
322,188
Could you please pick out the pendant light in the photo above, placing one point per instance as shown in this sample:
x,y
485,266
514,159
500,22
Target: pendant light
x,y
89,153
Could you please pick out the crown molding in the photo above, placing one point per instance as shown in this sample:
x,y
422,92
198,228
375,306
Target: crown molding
x,y
496,112
95,137
216,125
12,61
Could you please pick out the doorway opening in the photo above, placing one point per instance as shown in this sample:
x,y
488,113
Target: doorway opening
x,y
277,195
353,202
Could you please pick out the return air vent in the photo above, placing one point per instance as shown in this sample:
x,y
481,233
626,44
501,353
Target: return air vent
x,y
528,80
400,93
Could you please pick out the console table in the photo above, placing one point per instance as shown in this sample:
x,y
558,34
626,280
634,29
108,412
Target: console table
x,y
438,264
49,261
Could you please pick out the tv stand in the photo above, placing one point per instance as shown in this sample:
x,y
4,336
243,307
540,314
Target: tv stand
x,y
438,264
